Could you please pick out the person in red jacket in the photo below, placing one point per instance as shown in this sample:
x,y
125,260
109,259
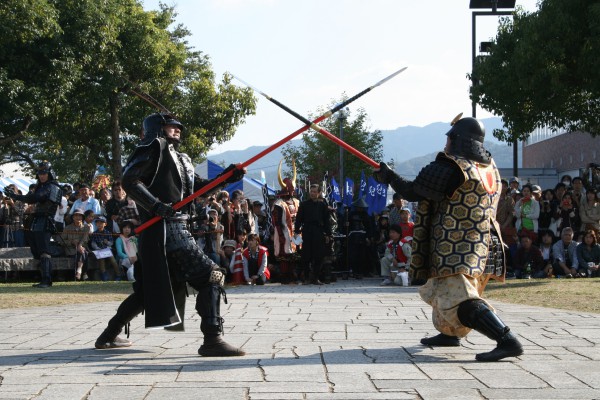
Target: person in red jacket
x,y
396,258
254,258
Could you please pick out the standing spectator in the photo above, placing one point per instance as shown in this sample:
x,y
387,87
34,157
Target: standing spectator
x,y
548,212
360,232
565,255
13,221
590,212
395,209
129,212
528,261
254,259
578,192
527,211
231,214
59,216
383,234
244,219
559,191
102,239
505,214
126,247
75,242
105,195
312,222
85,201
114,204
588,254
569,214
514,184
46,197
213,235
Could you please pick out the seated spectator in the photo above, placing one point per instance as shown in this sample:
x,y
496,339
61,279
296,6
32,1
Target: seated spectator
x,y
89,219
226,255
527,212
396,258
546,242
126,247
564,255
588,254
237,263
254,259
75,242
383,233
102,239
528,261
590,212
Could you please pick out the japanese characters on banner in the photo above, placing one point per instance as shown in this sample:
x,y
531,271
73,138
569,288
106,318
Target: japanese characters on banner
x,y
348,192
363,185
335,191
376,196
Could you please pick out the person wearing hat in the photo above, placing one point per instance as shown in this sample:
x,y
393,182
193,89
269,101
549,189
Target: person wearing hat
x,y
455,235
86,201
514,183
226,256
361,233
536,192
156,176
102,239
47,198
75,242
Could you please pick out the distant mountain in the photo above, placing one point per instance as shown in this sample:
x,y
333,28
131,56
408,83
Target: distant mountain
x,y
411,148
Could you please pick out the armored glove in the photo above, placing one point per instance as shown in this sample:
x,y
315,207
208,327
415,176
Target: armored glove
x,y
384,174
163,210
237,175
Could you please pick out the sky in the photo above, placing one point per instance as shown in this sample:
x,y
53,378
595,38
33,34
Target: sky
x,y
308,53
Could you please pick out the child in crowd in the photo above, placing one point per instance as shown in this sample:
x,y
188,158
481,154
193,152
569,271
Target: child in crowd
x,y
396,258
237,263
102,239
254,260
88,221
126,246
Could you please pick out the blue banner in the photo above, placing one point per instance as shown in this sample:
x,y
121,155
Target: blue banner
x,y
376,196
348,192
335,191
363,186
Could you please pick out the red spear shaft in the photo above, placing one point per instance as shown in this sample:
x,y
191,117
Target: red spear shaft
x,y
217,181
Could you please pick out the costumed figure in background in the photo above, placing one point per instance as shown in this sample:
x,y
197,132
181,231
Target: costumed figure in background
x,y
156,176
456,243
360,232
283,214
313,223
47,197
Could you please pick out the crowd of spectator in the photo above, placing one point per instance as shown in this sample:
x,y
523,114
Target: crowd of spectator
x,y
553,233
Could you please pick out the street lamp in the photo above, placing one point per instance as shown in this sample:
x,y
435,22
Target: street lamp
x,y
342,115
478,5
494,5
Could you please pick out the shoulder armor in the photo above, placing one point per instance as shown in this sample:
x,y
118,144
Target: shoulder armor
x,y
432,181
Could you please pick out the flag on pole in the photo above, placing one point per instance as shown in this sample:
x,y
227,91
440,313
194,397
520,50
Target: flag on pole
x,y
269,219
348,192
263,179
335,191
363,185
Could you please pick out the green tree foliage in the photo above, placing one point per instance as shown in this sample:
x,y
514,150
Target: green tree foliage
x,y
317,154
68,73
544,70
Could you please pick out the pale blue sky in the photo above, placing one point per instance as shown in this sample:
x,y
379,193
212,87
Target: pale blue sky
x,y
306,53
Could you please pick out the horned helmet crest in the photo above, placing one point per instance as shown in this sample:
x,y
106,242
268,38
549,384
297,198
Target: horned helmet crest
x,y
288,186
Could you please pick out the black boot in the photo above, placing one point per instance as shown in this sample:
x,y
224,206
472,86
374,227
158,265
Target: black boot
x,y
208,305
477,315
46,270
441,340
109,338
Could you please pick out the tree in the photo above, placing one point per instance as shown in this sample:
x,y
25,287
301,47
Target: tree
x,y
107,50
317,154
544,70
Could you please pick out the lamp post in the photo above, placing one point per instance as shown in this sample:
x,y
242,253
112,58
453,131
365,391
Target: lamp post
x,y
342,115
494,5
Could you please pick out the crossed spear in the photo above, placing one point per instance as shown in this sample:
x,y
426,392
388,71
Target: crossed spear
x,y
308,125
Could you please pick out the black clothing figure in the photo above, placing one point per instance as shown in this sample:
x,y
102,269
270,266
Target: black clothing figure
x,y
47,197
156,176
360,230
312,221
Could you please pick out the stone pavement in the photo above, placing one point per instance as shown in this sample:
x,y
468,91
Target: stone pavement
x,y
348,340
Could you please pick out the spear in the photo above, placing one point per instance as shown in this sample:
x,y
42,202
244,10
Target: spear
x,y
217,181
314,124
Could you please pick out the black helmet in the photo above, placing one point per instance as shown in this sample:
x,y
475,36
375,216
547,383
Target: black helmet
x,y
45,167
154,123
360,203
466,139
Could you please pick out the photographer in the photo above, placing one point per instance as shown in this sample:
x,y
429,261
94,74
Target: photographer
x,y
212,231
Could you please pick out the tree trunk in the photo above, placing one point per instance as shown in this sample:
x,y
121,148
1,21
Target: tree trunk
x,y
115,134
